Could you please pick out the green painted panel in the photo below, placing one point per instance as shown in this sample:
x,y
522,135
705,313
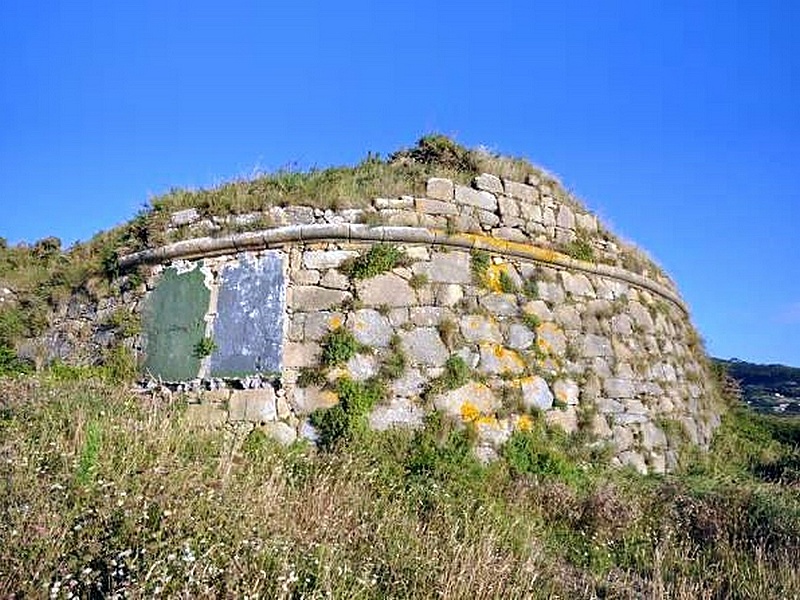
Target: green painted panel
x,y
173,320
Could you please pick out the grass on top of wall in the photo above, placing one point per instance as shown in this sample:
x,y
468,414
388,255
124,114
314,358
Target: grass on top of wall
x,y
109,494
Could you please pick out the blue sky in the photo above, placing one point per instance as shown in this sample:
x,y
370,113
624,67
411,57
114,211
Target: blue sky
x,y
677,121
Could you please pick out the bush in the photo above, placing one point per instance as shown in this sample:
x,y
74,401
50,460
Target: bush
x,y
347,419
339,346
378,259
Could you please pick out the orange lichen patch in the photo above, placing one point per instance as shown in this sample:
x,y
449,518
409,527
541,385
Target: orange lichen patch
x,y
509,360
524,423
335,322
561,395
470,412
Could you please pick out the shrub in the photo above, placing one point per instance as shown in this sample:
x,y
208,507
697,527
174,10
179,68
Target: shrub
x,y
378,259
339,346
347,419
204,348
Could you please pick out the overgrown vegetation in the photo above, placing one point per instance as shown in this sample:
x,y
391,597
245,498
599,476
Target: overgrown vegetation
x,y
105,493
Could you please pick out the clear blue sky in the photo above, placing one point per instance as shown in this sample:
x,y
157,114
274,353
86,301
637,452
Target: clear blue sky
x,y
677,121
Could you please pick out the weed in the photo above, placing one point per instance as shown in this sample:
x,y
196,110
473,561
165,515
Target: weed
x,y
126,323
90,451
418,280
580,249
311,376
531,320
394,365
530,288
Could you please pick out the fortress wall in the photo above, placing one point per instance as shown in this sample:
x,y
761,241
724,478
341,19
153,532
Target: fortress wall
x,y
553,318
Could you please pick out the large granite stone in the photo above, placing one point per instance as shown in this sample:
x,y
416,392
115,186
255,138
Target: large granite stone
x,y
326,259
536,393
520,337
500,304
477,198
310,298
256,405
371,328
439,188
566,391
401,412
478,328
475,395
497,360
446,267
386,289
423,346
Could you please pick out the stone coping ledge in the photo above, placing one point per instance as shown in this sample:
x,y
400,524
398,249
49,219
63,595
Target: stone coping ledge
x,y
280,236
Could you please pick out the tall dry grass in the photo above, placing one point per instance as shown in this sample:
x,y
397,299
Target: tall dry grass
x,y
109,494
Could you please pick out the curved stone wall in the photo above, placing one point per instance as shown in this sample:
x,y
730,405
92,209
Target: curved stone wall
x,y
552,316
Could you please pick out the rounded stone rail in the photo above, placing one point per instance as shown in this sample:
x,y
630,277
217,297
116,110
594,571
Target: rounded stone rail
x,y
280,236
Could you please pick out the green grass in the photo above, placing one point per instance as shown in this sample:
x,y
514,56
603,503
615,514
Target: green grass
x,y
105,493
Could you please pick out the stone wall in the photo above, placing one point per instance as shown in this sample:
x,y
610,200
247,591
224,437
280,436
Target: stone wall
x,y
554,318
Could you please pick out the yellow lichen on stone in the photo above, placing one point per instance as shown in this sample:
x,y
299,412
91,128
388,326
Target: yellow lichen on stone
x,y
470,412
488,421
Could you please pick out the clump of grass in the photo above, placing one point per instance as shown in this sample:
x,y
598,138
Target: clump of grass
x,y
309,376
531,320
580,248
378,259
479,264
125,322
456,373
394,364
530,288
506,283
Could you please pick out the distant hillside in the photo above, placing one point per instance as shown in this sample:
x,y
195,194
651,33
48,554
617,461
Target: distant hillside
x,y
766,388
